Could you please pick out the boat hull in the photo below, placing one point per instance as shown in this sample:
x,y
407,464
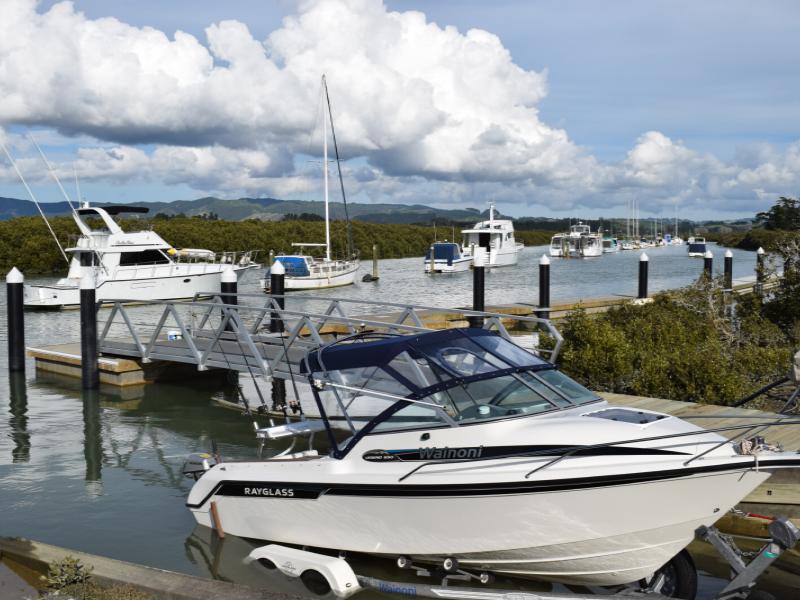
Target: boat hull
x,y
182,281
595,535
442,266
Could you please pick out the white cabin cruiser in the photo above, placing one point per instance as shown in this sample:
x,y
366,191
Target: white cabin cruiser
x,y
137,266
447,258
580,241
697,246
494,239
480,451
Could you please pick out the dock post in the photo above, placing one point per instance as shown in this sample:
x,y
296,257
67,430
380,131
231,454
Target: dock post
x,y
16,320
644,266
229,284
728,284
759,287
374,262
544,288
433,259
90,376
478,290
708,264
18,407
277,274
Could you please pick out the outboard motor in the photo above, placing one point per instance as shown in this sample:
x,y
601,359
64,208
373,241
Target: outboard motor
x,y
197,463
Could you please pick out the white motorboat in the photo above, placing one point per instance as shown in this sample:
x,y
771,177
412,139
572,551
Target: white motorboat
x,y
477,450
494,239
580,242
447,258
610,245
697,246
307,272
138,266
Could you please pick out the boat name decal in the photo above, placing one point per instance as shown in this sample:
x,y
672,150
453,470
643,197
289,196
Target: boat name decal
x,y
264,489
475,452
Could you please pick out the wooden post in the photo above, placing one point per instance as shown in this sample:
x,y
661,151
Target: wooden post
x,y
478,290
759,287
708,264
90,375
374,262
16,320
644,262
544,288
728,271
277,287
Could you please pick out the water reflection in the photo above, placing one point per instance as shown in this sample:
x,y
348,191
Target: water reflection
x,y
18,423
92,441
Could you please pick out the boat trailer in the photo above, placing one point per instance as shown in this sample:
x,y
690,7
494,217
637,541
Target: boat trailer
x,y
323,574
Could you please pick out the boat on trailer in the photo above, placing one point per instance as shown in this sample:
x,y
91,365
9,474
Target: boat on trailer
x,y
133,266
476,450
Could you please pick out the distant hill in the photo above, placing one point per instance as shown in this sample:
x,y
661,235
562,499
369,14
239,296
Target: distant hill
x,y
266,209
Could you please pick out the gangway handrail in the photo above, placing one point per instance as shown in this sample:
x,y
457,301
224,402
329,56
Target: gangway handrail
x,y
304,324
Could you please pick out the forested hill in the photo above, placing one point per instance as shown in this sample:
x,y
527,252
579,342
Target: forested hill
x,y
266,209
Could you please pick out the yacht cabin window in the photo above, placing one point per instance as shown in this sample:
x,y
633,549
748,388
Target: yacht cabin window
x,y
142,257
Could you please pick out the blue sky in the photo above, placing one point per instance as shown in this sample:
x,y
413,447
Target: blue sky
x,y
714,82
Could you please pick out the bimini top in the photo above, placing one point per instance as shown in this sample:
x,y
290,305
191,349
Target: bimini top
x,y
437,346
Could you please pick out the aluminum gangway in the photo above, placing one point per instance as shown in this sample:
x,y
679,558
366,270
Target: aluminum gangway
x,y
254,333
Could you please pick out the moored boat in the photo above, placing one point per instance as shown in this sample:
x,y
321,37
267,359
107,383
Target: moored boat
x,y
446,257
478,450
697,246
135,266
494,239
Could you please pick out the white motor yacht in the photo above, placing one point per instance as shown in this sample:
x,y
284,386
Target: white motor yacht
x,y
580,241
697,246
494,239
137,266
447,258
307,272
475,449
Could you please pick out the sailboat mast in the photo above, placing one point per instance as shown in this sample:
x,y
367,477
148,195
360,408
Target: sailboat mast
x,y
325,177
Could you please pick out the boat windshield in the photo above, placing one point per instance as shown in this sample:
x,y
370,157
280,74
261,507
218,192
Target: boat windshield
x,y
438,379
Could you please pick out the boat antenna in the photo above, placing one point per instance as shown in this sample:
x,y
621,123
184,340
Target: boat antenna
x,y
350,246
35,201
77,186
52,172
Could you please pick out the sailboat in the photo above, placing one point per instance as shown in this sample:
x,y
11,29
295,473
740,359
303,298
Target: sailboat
x,y
307,272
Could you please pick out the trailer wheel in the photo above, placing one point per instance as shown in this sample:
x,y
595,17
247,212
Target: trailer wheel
x,y
267,563
450,565
315,582
680,577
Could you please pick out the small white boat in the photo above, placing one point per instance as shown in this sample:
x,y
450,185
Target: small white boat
x,y
559,245
307,272
697,246
480,451
137,267
494,239
628,245
610,245
447,258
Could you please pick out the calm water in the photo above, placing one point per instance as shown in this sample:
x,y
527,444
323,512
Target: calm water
x,y
100,472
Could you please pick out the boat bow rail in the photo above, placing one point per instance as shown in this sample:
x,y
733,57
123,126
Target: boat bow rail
x,y
242,336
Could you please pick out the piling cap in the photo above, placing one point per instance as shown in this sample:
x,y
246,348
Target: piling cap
x,y
708,254
643,257
15,276
277,268
544,261
760,250
87,282
228,275
728,254
479,260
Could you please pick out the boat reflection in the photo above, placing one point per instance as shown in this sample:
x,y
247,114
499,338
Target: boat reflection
x,y
18,422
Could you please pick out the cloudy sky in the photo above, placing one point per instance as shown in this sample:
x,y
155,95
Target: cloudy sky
x,y
549,108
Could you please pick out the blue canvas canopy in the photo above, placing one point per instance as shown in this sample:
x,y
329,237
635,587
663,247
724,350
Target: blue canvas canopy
x,y
448,251
295,266
432,346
